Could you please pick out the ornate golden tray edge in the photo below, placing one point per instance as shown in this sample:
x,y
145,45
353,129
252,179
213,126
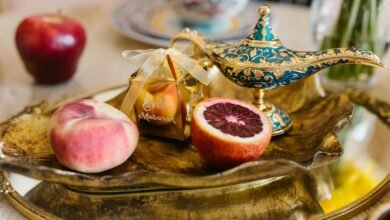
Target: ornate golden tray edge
x,y
21,204
31,211
359,206
249,171
381,109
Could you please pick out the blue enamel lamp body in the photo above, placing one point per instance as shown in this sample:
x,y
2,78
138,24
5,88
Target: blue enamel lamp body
x,y
261,62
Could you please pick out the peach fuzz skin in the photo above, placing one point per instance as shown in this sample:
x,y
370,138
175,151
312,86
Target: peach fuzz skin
x,y
223,152
91,137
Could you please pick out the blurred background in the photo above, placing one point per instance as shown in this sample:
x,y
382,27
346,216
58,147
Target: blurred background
x,y
13,5
301,24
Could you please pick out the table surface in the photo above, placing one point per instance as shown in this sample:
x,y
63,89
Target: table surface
x,y
102,66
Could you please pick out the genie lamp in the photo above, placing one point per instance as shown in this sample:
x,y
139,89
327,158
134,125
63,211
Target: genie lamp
x,y
261,62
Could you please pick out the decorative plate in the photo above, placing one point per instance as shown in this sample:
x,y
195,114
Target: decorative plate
x,y
155,23
162,163
291,196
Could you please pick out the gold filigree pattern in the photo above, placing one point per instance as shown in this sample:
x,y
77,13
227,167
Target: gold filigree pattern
x,y
282,58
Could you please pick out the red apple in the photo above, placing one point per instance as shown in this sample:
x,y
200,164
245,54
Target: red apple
x,y
50,46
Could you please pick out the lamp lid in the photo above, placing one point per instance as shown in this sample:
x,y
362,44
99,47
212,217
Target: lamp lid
x,y
262,33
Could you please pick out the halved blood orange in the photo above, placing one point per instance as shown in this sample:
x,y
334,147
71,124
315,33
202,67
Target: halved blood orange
x,y
228,132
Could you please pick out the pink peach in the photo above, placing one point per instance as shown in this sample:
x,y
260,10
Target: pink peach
x,y
91,137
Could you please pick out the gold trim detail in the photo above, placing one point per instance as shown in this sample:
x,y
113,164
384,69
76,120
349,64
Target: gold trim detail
x,y
256,43
5,186
361,205
21,204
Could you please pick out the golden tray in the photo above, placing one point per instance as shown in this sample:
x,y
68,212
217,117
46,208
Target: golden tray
x,y
166,179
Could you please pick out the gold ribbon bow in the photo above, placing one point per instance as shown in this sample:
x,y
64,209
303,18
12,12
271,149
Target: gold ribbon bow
x,y
147,62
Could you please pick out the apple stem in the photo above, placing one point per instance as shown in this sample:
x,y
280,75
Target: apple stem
x,y
59,11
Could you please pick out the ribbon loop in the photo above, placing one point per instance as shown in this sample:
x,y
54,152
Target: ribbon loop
x,y
190,65
136,58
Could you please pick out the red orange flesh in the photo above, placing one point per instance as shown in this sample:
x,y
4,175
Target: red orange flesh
x,y
229,132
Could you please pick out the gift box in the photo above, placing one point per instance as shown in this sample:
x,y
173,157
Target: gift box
x,y
164,87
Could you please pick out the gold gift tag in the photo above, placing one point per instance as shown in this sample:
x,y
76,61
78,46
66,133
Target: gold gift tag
x,y
163,106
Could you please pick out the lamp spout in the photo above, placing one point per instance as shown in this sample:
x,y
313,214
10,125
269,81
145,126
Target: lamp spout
x,y
331,57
